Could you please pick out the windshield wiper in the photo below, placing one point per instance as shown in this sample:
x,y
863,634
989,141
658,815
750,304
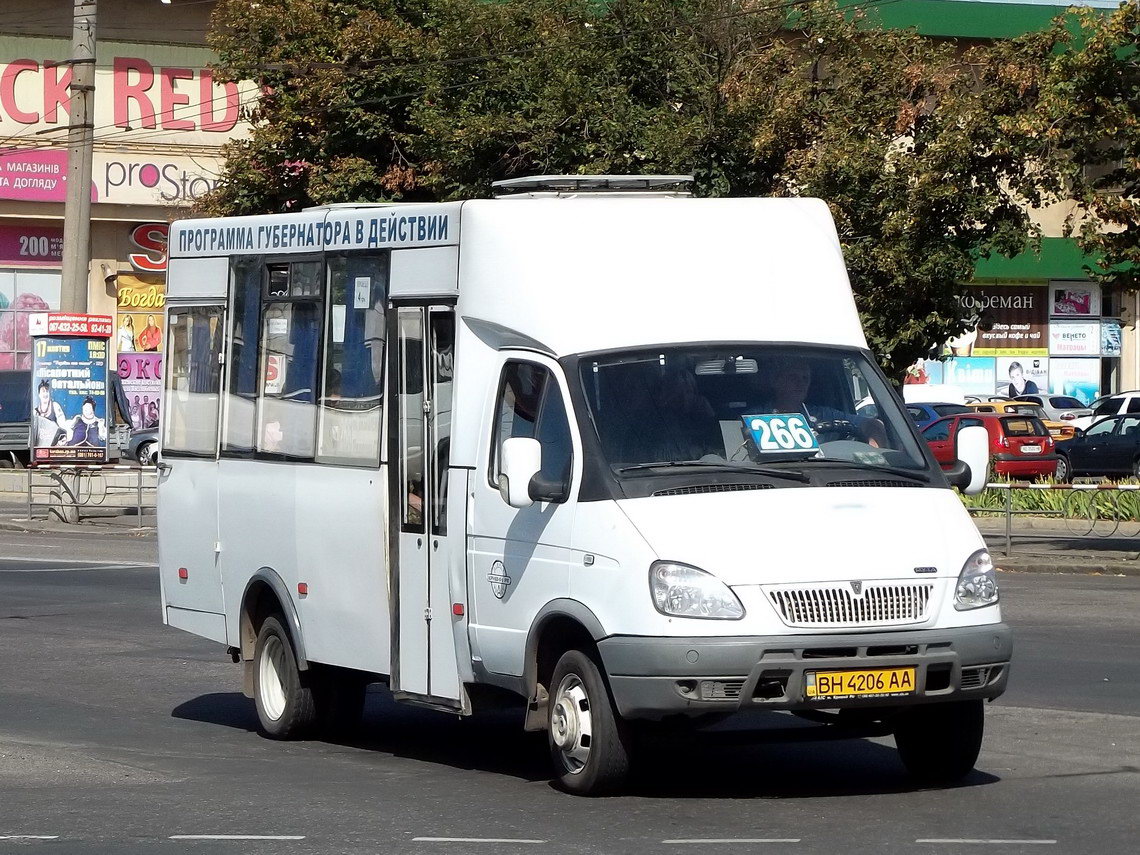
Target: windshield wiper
x,y
859,464
790,475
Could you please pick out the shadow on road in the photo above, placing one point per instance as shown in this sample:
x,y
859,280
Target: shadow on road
x,y
770,756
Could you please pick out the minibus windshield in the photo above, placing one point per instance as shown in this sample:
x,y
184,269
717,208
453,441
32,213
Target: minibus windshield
x,y
768,408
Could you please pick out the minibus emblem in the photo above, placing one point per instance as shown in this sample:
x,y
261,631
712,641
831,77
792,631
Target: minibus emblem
x,y
856,588
499,580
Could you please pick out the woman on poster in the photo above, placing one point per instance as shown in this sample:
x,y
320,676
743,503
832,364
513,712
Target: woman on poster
x,y
151,337
86,428
48,416
127,335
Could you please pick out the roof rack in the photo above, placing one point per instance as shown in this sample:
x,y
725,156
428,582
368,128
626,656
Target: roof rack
x,y
676,185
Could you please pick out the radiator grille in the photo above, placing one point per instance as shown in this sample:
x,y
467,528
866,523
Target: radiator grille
x,y
836,604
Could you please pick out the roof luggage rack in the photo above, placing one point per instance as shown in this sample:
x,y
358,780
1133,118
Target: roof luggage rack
x,y
573,185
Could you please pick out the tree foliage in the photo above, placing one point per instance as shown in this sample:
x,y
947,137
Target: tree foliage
x,y
368,100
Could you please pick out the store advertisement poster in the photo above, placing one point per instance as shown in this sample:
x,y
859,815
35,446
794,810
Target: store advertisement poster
x,y
1075,299
973,375
1074,338
1079,378
1110,338
69,400
1024,375
1013,321
141,376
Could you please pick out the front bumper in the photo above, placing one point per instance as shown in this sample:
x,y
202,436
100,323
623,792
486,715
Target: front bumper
x,y
657,677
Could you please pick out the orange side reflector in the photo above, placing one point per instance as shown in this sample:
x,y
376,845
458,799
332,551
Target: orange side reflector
x,y
183,573
457,609
303,588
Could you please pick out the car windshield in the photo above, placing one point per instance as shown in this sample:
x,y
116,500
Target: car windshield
x,y
1028,410
1066,403
760,407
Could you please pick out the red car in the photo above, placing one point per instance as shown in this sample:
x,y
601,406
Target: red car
x,y
1020,446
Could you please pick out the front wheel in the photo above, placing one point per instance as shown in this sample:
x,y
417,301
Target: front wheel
x,y
145,454
589,743
939,743
286,708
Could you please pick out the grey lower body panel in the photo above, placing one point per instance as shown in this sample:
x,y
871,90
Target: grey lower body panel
x,y
657,677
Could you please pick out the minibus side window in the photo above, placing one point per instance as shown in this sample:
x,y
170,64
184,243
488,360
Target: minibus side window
x,y
193,381
353,381
241,397
530,404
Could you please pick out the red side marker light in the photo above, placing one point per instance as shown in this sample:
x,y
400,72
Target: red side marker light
x,y
457,609
303,588
183,573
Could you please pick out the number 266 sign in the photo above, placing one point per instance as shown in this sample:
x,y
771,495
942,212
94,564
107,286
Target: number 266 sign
x,y
781,432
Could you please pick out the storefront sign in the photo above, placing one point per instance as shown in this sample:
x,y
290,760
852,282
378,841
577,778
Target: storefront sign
x,y
973,375
150,238
141,375
139,320
62,323
1014,321
1110,338
1075,299
69,400
25,245
162,94
1074,338
1078,378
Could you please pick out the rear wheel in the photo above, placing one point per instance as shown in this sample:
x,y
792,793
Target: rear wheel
x,y
939,743
286,707
589,743
1136,468
1064,470
145,454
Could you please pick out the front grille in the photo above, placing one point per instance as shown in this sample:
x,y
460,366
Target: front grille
x,y
873,482
712,488
836,604
975,678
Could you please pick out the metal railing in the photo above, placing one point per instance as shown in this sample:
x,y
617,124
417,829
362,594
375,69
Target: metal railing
x,y
1088,510
69,491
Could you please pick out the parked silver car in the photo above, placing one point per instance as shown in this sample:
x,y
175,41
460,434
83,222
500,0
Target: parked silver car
x,y
1059,408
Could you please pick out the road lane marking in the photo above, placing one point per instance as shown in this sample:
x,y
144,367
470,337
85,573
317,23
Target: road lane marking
x,y
474,840
29,837
237,837
994,840
700,840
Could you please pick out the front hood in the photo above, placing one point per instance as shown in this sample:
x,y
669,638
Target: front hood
x,y
810,534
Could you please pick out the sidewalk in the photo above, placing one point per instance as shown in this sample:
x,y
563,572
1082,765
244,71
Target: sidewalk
x,y
1053,545
123,522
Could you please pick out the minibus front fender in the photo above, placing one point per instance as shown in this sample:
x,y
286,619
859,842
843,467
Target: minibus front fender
x,y
560,625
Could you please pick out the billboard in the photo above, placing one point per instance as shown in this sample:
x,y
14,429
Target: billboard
x,y
141,376
1014,321
69,400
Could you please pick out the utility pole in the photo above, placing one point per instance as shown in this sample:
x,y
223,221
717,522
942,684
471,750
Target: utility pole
x,y
81,140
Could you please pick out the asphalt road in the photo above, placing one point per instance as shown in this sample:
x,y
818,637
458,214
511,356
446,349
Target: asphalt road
x,y
120,735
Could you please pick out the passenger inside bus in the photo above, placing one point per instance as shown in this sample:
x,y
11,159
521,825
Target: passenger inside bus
x,y
668,419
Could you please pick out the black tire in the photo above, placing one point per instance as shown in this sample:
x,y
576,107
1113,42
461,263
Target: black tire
x,y
339,698
286,706
145,454
1136,468
939,743
1064,470
589,743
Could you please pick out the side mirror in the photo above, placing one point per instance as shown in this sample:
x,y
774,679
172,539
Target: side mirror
x,y
971,471
521,461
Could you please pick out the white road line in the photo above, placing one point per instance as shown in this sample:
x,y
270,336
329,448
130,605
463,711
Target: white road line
x,y
983,840
700,840
474,840
237,837
29,837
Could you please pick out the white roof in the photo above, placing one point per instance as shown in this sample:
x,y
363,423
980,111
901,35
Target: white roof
x,y
593,273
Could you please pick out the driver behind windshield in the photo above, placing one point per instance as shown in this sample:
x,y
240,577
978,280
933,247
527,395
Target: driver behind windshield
x,y
789,381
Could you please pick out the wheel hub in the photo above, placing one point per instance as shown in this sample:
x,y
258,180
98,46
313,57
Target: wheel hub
x,y
571,723
564,724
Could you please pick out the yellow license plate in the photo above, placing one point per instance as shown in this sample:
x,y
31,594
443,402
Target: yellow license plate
x,y
852,684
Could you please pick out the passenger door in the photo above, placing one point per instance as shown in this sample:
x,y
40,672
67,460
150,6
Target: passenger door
x,y
519,558
424,666
1120,446
938,437
1087,454
189,573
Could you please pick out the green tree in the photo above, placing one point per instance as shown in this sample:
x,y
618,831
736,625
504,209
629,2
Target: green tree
x,y
434,99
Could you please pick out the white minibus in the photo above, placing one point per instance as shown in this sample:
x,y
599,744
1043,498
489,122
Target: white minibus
x,y
593,443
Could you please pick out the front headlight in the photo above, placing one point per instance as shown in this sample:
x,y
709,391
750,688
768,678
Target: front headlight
x,y
682,591
977,583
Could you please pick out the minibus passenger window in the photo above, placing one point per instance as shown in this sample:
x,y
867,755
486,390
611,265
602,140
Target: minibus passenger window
x,y
193,381
290,338
245,319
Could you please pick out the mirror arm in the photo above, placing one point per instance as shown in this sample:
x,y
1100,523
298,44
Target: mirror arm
x,y
959,474
543,489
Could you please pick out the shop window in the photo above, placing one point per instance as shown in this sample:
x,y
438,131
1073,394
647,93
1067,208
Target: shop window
x,y
193,381
245,320
22,293
353,382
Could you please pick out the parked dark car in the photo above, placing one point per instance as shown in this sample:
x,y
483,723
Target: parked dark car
x,y
143,446
923,414
1110,447
1020,446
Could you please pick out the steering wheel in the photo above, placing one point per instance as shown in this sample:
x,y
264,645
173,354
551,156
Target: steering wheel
x,y
838,429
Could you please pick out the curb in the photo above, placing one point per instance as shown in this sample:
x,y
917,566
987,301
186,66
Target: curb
x,y
23,526
1046,566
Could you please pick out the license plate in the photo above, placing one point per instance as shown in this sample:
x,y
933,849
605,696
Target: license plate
x,y
1031,449
823,685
